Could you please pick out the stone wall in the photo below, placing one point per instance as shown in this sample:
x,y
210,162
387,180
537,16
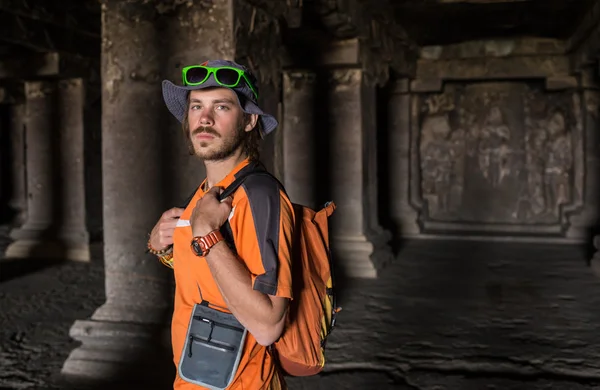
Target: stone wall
x,y
494,143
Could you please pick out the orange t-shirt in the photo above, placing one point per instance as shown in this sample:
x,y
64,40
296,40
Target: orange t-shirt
x,y
262,221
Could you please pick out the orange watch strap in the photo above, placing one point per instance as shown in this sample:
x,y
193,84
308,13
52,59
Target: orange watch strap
x,y
206,242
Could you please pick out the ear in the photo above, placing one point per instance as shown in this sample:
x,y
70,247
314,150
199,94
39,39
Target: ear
x,y
252,119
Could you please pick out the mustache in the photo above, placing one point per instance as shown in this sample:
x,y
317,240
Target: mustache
x,y
205,129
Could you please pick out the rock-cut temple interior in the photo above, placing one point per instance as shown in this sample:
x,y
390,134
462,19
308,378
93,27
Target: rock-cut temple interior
x,y
459,140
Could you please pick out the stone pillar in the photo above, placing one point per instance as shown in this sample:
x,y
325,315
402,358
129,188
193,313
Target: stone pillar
x,y
299,136
18,201
145,171
590,101
55,225
71,97
587,99
125,328
358,241
403,214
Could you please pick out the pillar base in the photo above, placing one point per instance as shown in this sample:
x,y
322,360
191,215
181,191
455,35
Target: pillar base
x,y
120,353
24,249
359,256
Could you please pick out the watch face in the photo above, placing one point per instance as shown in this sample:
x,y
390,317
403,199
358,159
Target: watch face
x,y
197,248
201,245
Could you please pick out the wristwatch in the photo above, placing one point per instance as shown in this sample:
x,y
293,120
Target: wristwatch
x,y
201,245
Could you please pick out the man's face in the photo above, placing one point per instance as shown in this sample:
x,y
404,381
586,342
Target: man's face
x,y
216,123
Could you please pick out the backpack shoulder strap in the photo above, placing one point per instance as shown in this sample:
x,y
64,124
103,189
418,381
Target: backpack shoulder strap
x,y
252,169
189,198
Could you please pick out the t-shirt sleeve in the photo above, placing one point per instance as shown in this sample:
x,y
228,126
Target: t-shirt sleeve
x,y
262,223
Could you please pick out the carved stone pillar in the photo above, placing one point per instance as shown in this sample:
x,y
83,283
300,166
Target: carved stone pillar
x,y
73,215
358,241
404,216
591,100
125,328
18,201
146,170
55,225
299,139
587,104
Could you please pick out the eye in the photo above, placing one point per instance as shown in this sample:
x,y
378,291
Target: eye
x,y
195,107
222,107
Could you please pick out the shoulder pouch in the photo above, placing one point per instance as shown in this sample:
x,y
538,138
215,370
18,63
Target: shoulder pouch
x,y
213,348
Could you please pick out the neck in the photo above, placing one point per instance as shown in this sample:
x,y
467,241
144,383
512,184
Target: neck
x,y
217,170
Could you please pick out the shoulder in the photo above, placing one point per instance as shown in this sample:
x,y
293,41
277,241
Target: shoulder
x,y
264,195
261,186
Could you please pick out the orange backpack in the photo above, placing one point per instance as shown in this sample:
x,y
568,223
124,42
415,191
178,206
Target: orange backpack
x,y
300,349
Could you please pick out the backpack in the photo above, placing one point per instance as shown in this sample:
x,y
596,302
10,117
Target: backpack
x,y
311,317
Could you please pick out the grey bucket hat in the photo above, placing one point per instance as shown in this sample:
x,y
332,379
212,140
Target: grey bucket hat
x,y
175,96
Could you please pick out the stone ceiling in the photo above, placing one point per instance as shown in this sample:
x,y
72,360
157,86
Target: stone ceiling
x,y
435,22
73,26
49,26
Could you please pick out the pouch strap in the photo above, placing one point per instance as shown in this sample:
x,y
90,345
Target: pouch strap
x,y
205,303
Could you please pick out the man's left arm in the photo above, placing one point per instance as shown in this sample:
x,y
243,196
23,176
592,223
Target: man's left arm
x,y
256,289
263,315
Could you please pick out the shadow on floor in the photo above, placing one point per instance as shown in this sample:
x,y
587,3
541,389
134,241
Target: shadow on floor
x,y
15,268
148,372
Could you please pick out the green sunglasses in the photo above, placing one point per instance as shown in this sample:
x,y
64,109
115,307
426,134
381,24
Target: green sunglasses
x,y
224,75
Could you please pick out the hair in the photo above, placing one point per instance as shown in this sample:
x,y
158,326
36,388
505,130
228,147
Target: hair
x,y
250,143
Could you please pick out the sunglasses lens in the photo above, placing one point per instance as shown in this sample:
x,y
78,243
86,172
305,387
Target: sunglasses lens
x,y
196,75
228,77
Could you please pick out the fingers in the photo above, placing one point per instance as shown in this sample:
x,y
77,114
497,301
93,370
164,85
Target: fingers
x,y
161,239
215,192
165,238
219,191
162,234
175,212
168,225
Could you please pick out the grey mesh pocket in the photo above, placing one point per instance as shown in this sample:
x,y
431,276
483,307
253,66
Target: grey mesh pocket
x,y
213,348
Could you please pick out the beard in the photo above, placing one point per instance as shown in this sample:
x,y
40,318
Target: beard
x,y
219,148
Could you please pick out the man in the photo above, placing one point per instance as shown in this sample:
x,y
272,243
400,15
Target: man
x,y
218,108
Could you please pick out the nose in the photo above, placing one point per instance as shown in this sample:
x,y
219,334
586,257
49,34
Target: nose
x,y
206,118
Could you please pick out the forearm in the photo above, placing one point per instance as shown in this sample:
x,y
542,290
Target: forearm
x,y
252,308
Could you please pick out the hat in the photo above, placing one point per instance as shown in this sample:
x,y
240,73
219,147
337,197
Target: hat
x,y
176,96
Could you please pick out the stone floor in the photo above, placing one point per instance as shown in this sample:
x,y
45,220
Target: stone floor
x,y
446,315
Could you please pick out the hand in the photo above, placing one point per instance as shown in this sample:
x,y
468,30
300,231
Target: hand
x,y
162,233
210,214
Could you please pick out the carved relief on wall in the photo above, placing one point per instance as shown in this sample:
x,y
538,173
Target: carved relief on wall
x,y
495,153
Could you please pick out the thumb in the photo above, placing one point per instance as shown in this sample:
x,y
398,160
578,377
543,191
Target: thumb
x,y
228,200
216,190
